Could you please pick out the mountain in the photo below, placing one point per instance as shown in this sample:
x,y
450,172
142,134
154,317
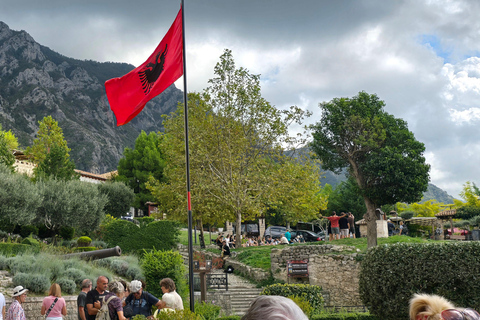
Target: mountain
x,y
36,81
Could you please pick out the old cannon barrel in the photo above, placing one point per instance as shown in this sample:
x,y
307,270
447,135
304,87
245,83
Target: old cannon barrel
x,y
96,254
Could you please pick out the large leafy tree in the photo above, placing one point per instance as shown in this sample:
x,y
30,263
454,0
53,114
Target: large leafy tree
x,y
119,197
139,164
378,150
8,142
56,165
237,141
347,197
49,134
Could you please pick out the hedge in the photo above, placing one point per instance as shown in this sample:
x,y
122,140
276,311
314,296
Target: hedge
x,y
311,293
391,274
229,318
12,249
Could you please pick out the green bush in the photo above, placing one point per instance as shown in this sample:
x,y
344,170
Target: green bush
x,y
99,244
157,265
74,274
67,285
30,242
230,318
38,283
12,249
344,316
125,266
311,293
67,232
447,269
178,315
27,230
208,311
6,225
84,249
84,241
303,304
161,235
144,221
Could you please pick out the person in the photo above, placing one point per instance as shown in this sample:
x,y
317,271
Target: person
x,y
288,235
225,250
15,311
2,306
140,300
390,227
344,226
351,223
168,303
227,239
274,307
81,299
232,241
168,288
268,240
54,306
114,300
335,226
219,240
283,239
403,229
93,297
433,307
329,231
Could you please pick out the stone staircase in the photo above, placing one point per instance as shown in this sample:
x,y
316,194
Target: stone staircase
x,y
240,298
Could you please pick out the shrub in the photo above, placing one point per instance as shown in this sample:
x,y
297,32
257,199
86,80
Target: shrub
x,y
311,293
30,242
13,249
21,279
161,235
386,286
144,221
134,272
76,275
303,304
84,249
99,244
157,265
38,283
27,230
67,232
207,310
67,285
178,315
229,318
84,241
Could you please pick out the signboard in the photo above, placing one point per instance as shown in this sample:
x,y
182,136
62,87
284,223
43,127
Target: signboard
x,y
297,268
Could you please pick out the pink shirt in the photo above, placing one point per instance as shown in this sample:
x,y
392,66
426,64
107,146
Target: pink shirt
x,y
334,221
57,309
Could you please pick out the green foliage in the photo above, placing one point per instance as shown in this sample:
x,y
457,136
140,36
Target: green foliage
x,y
386,286
346,197
85,249
37,283
144,221
407,215
207,311
56,165
178,315
13,249
311,293
138,165
467,212
84,241
74,274
119,197
162,235
157,265
66,232
7,158
27,230
229,318
68,286
30,241
303,304
344,316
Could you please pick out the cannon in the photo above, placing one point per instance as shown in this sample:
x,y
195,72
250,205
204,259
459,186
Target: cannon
x,y
96,254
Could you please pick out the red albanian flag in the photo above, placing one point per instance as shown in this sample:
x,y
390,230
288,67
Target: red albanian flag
x,y
129,94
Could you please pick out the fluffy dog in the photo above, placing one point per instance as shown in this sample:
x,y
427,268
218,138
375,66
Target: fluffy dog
x,y
428,307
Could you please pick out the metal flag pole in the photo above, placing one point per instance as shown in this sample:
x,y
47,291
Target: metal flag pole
x,y
187,161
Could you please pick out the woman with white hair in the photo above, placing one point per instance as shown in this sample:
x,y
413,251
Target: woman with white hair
x,y
15,311
274,308
114,300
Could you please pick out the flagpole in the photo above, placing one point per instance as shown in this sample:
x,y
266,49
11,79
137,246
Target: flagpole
x,y
187,161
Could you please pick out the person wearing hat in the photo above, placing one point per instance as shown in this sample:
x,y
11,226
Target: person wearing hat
x,y
15,311
141,301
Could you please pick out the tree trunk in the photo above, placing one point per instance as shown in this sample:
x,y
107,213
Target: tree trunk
x,y
201,236
371,220
238,230
288,224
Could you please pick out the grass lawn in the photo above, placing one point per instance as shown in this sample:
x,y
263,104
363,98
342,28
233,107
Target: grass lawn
x,y
259,257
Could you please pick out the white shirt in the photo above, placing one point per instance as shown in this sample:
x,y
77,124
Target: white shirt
x,y
2,305
178,305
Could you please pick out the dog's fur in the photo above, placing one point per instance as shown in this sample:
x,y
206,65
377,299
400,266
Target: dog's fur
x,y
428,307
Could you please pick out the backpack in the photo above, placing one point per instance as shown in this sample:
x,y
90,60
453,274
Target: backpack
x,y
103,313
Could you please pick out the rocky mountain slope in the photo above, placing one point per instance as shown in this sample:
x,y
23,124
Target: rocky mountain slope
x,y
36,81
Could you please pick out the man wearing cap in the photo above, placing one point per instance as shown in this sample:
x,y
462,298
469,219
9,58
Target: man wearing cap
x,y
93,297
141,301
15,312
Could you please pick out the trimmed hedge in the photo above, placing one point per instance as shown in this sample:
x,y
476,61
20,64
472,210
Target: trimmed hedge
x,y
391,274
84,241
311,293
12,249
160,235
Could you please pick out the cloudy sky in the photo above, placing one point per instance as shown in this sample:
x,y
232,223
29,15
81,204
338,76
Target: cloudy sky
x,y
422,57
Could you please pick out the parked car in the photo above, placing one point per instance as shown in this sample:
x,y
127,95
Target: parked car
x,y
275,232
310,236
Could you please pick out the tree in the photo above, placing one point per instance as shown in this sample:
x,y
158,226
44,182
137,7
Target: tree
x,y
7,144
138,165
346,197
381,154
237,142
471,194
19,197
48,135
119,197
427,209
56,165
71,203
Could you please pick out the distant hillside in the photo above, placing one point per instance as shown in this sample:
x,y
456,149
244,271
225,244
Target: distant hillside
x,y
434,192
36,81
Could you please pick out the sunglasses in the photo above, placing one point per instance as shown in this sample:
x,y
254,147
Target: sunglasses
x,y
465,314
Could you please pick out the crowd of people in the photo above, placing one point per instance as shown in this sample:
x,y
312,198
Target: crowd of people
x,y
341,226
123,301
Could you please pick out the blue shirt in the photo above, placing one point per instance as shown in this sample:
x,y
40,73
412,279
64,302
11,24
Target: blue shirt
x,y
288,235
